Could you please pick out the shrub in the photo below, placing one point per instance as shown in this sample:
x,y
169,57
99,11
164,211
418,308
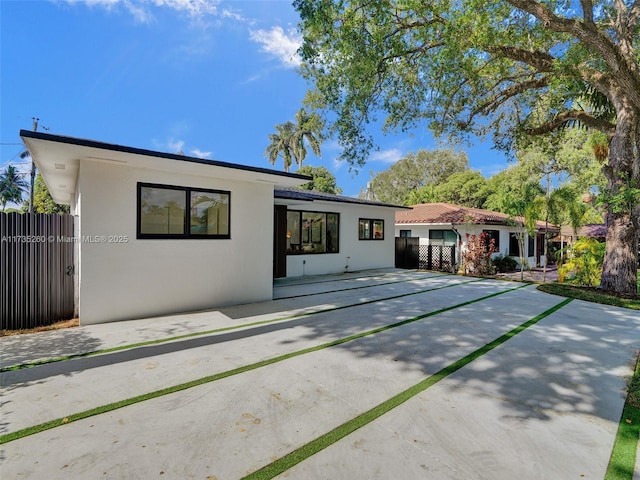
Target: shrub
x,y
583,263
504,263
477,256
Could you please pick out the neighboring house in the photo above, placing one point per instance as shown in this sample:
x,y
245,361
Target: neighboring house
x,y
159,233
568,235
446,224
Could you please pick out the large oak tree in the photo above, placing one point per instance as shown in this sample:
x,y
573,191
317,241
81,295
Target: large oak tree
x,y
506,67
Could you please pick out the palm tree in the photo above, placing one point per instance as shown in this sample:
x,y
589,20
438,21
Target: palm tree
x,y
11,186
308,127
281,145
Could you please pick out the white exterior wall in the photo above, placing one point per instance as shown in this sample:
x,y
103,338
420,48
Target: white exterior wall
x,y
141,278
353,254
422,231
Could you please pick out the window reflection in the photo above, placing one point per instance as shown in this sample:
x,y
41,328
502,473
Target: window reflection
x,y
209,213
312,232
162,211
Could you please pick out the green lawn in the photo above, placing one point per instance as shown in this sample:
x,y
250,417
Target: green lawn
x,y
590,294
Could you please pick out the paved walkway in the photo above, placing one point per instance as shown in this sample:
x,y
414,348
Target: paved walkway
x,y
340,371
537,275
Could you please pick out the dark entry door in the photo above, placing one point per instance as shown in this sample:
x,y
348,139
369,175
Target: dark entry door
x,y
279,241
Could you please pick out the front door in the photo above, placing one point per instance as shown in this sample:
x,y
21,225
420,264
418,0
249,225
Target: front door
x,y
279,241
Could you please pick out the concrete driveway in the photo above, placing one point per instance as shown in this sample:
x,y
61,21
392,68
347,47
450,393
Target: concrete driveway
x,y
383,374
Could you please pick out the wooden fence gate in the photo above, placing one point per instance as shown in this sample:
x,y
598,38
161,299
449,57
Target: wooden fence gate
x,y
36,269
407,252
410,254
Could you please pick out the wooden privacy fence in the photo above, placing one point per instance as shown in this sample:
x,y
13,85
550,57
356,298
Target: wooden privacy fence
x,y
36,269
407,252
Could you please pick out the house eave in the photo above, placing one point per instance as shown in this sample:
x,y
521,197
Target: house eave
x,y
58,158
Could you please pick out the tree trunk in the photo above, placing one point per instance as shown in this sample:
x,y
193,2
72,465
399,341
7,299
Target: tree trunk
x,y
619,271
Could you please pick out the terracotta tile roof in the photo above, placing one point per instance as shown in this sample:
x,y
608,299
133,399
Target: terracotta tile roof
x,y
454,214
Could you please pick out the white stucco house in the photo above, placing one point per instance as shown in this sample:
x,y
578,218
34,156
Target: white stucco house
x,y
159,233
447,224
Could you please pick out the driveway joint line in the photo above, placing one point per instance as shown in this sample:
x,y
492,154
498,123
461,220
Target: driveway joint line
x,y
358,287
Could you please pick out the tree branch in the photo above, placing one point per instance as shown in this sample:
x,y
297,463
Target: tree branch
x,y
587,11
634,17
496,101
588,35
570,116
541,61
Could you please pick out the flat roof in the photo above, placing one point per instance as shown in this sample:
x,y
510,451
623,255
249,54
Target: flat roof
x,y
311,195
152,153
58,157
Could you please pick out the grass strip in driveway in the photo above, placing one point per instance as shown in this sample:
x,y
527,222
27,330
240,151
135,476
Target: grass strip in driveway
x,y
302,453
9,437
623,456
355,277
219,330
359,287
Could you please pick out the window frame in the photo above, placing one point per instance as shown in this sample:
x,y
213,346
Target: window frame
x,y
371,222
493,235
187,235
310,234
405,233
531,246
513,237
435,240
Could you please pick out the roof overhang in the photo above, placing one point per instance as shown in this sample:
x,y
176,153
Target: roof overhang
x,y
296,196
58,160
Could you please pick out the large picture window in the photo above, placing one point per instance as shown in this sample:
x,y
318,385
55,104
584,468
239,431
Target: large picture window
x,y
181,212
312,232
370,229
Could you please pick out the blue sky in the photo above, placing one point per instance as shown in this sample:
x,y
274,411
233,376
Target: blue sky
x,y
206,77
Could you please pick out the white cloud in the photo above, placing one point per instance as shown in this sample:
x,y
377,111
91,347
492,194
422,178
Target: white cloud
x,y
279,44
142,9
391,155
196,152
175,146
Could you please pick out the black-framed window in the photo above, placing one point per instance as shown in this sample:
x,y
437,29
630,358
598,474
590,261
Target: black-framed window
x,y
370,229
514,245
405,233
312,232
495,236
173,212
531,247
442,237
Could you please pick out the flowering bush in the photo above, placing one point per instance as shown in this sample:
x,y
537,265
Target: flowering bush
x,y
476,258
